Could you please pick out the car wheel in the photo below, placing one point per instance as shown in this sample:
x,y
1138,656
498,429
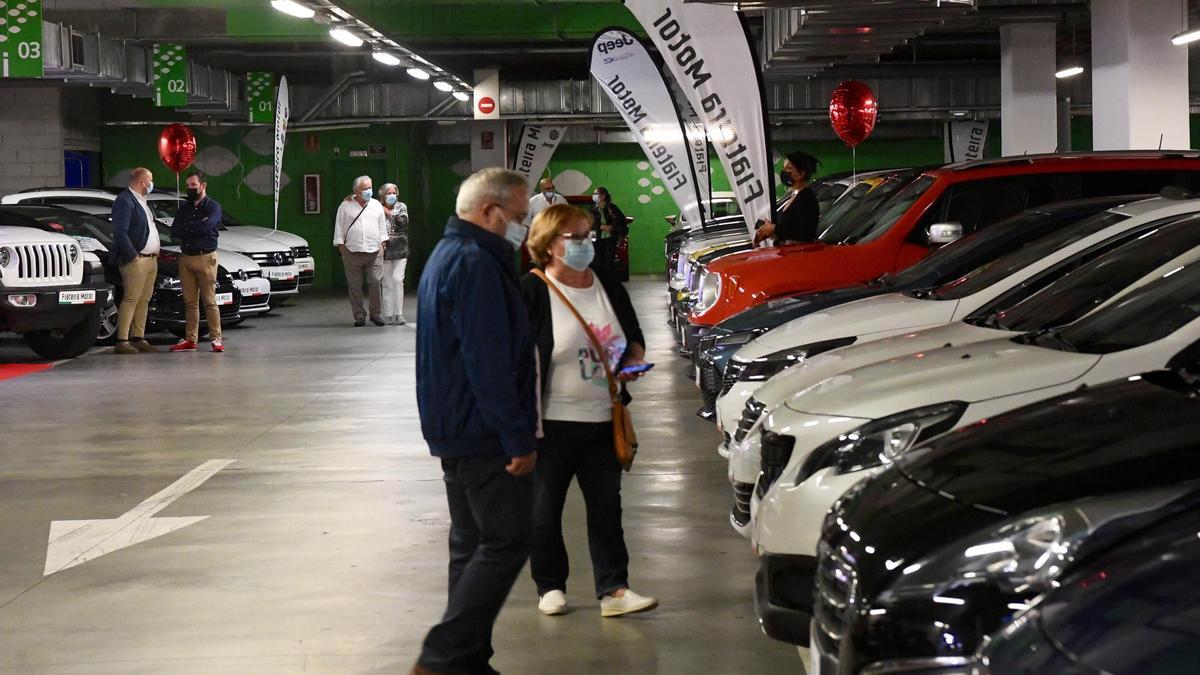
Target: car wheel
x,y
65,343
108,325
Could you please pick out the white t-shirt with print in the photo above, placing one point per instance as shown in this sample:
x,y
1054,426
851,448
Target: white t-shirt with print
x,y
576,387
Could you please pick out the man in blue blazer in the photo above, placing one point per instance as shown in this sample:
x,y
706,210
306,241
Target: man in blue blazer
x,y
135,251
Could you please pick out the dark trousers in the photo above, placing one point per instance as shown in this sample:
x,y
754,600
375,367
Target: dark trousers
x,y
490,536
606,255
582,451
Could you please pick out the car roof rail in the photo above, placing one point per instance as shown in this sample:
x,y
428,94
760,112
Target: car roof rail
x,y
1100,154
1178,192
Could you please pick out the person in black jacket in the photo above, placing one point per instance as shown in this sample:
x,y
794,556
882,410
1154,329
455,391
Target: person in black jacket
x,y
576,410
476,397
196,227
796,218
608,227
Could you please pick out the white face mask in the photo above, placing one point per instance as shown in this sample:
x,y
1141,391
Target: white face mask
x,y
548,194
515,233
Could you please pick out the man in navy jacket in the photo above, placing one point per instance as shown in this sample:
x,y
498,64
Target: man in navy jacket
x,y
197,227
135,252
476,395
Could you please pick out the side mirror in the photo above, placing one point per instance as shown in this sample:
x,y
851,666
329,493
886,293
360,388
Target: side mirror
x,y
944,233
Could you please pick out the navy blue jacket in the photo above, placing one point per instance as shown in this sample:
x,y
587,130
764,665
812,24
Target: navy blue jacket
x,y
130,229
475,352
197,226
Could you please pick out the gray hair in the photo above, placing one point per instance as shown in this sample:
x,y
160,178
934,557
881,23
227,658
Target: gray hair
x,y
359,181
386,186
489,186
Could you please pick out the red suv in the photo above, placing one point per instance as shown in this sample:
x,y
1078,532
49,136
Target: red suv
x,y
969,195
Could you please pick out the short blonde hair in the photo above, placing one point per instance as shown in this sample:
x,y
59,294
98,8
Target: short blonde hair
x,y
547,225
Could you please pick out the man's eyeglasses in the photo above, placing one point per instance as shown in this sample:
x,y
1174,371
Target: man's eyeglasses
x,y
577,237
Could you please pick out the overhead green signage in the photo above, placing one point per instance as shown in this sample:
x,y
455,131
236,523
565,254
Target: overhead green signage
x,y
21,38
260,97
170,75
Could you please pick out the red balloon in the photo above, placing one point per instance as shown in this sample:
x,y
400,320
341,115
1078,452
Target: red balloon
x,y
177,147
852,111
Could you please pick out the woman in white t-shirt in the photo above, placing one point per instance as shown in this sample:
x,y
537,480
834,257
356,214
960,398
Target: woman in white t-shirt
x,y
576,411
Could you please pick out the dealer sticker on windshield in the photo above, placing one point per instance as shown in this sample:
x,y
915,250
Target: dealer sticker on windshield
x,y
224,298
77,297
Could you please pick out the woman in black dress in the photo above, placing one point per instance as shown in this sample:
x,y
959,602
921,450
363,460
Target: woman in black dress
x,y
796,219
608,226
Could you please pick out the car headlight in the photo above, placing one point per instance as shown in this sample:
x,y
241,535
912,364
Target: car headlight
x,y
710,291
766,367
1027,554
168,283
5,256
882,441
735,339
74,253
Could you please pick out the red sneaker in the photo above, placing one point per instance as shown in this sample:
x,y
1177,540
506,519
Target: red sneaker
x,y
184,346
218,346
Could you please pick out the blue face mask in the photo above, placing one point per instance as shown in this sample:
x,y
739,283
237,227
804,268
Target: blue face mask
x,y
578,254
515,233
366,194
390,199
150,187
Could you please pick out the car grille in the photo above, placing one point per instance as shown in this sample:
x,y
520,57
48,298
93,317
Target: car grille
x,y
733,370
272,258
47,262
307,276
750,414
741,502
776,451
301,252
251,301
284,285
835,586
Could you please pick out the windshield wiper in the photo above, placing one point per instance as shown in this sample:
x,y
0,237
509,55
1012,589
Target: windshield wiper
x,y
1054,337
880,281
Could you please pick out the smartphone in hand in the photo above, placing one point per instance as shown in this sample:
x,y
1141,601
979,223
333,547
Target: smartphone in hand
x,y
633,370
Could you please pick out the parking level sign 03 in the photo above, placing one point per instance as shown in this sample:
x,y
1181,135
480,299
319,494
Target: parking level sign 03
x,y
170,75
21,38
260,97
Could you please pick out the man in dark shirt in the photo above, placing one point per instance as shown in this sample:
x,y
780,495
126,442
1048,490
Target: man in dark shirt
x,y
196,228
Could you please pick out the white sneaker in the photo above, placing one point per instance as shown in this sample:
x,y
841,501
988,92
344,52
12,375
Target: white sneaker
x,y
629,603
553,603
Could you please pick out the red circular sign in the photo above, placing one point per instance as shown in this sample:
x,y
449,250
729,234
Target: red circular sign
x,y
487,105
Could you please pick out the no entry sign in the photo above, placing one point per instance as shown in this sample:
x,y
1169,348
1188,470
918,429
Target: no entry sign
x,y
487,94
487,105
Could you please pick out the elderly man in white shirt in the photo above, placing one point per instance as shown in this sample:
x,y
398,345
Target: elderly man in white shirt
x,y
543,200
360,234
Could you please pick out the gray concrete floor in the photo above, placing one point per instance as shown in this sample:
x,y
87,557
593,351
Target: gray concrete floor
x,y
325,549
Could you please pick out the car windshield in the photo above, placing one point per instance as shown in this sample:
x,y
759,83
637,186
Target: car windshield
x,y
845,203
79,225
878,211
1146,315
1097,282
1005,266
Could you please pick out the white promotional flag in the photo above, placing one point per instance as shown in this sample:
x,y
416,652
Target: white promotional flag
x,y
282,110
965,140
537,146
697,139
708,51
623,67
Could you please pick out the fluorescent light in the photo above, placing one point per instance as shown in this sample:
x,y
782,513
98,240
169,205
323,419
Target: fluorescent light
x,y
442,85
1069,72
1189,35
292,8
418,74
346,37
386,58
462,96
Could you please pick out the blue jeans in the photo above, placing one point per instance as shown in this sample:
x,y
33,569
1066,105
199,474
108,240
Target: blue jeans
x,y
490,537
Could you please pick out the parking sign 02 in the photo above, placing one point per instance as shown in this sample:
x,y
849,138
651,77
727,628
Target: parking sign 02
x,y
170,75
21,38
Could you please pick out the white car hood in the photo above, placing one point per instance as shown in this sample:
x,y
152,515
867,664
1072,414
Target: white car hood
x,y
970,373
267,234
233,240
861,318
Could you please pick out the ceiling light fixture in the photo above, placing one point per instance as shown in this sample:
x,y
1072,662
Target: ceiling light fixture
x,y
462,96
442,85
386,58
418,74
293,8
1071,71
1187,36
346,37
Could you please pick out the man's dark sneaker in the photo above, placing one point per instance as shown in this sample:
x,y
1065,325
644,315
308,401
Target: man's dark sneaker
x,y
359,323
377,320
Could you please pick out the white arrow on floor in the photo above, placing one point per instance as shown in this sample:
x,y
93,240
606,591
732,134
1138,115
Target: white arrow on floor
x,y
74,542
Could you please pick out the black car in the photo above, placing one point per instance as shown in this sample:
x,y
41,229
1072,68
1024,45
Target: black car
x,y
166,312
944,265
919,564
1134,609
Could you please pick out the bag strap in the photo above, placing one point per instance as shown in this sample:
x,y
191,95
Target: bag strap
x,y
613,389
351,225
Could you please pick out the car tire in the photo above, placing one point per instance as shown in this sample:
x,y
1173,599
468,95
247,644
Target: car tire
x,y
65,343
108,325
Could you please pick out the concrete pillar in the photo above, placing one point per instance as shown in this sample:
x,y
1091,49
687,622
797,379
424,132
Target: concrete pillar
x,y
1139,79
1028,90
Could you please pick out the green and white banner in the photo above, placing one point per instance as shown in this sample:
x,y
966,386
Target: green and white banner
x,y
170,75
260,97
21,38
